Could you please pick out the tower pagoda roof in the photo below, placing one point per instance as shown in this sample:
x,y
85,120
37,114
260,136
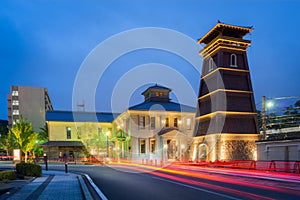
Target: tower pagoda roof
x,y
225,30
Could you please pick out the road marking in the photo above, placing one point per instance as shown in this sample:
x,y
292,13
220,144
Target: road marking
x,y
200,189
101,195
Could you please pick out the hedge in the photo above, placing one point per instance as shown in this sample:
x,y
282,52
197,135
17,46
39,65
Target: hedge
x,y
29,169
8,175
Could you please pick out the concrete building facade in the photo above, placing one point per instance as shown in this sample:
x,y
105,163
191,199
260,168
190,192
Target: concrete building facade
x,y
31,103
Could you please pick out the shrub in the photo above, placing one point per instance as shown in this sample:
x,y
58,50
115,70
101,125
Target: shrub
x,y
7,175
29,169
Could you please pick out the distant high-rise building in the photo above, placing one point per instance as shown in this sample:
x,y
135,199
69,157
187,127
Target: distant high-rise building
x,y
29,102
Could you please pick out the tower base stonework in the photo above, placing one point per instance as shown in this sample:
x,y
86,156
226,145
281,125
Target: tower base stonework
x,y
224,147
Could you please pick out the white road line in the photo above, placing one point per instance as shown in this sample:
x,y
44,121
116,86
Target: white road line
x,y
100,194
200,189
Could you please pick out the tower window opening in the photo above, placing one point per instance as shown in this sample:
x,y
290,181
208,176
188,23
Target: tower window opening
x,y
233,60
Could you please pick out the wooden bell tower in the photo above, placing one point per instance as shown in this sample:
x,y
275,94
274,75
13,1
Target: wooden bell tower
x,y
226,119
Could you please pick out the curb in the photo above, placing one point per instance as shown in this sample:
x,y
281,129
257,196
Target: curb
x,y
97,190
85,191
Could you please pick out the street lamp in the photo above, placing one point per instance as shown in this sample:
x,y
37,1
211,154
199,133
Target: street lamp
x,y
107,134
264,116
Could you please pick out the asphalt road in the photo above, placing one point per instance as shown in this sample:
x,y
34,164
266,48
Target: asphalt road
x,y
134,182
123,183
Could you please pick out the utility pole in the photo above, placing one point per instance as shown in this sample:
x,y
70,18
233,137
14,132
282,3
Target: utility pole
x,y
264,118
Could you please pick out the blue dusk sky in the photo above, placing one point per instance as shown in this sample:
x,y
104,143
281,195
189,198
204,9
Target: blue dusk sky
x,y
45,42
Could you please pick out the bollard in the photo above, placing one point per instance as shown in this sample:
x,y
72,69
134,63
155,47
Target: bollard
x,y
66,167
46,162
272,166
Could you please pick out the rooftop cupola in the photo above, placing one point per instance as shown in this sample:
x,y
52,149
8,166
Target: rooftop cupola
x,y
157,93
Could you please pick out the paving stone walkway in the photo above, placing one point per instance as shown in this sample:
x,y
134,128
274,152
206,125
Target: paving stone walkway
x,y
54,185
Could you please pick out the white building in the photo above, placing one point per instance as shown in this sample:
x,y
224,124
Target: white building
x,y
155,131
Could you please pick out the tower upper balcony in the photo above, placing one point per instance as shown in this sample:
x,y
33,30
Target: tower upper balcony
x,y
224,36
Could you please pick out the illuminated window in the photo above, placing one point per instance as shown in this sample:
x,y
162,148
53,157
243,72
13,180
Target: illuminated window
x,y
188,123
142,122
15,112
210,65
175,122
167,124
152,145
142,146
152,122
233,60
157,94
68,132
16,121
15,102
15,93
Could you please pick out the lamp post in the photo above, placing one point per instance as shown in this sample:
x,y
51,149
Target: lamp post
x,y
98,142
107,134
264,120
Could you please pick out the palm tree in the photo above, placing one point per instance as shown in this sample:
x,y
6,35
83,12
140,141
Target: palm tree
x,y
25,136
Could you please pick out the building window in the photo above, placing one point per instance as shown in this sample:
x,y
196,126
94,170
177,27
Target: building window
x,y
188,123
152,123
15,102
175,122
142,122
210,65
16,121
15,93
152,145
68,132
15,112
142,146
233,60
167,124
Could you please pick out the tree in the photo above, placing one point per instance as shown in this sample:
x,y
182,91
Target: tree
x,y
297,104
8,142
42,138
25,136
43,134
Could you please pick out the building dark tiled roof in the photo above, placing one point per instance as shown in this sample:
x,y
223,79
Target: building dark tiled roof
x,y
69,116
163,106
63,143
157,87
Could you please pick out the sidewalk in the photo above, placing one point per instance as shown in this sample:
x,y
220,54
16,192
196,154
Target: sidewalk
x,y
54,185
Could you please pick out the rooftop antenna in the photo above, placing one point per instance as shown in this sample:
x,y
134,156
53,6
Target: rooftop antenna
x,y
81,106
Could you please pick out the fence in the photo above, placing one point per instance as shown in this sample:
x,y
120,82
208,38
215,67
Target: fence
x,y
276,166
